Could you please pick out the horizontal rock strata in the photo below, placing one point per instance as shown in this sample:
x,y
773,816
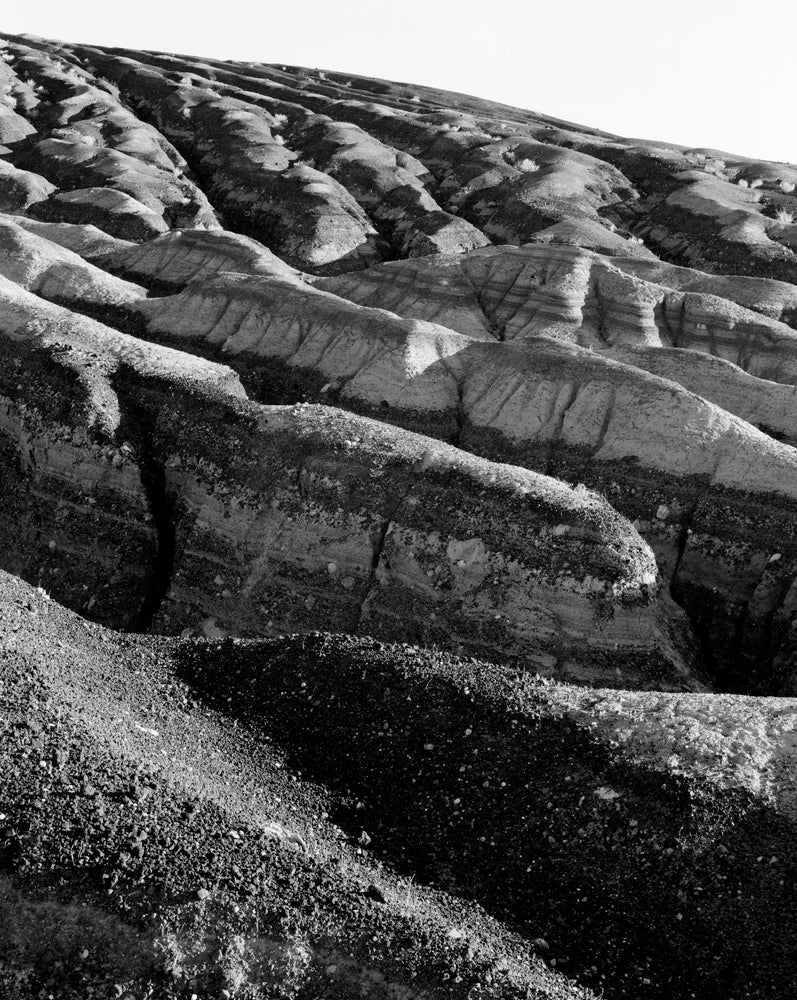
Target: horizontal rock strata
x,y
712,495
267,519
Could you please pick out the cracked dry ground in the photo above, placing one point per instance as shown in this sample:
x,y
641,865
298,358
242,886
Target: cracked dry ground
x,y
398,561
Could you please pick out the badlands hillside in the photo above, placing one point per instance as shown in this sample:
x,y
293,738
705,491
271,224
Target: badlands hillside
x,y
398,545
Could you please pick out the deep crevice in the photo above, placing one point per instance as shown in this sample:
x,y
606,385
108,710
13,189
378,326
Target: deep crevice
x,y
376,558
138,429
460,417
161,505
683,538
700,630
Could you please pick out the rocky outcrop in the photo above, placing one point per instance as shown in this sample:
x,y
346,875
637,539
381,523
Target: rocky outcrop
x,y
707,209
572,294
310,167
774,299
693,477
277,519
84,239
770,406
76,165
79,516
591,234
181,256
115,212
392,186
85,139
378,357
19,189
511,173
257,182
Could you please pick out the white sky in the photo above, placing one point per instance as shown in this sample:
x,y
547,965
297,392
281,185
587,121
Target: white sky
x,y
717,73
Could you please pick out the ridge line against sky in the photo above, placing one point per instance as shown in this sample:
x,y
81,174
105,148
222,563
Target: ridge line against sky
x,y
701,73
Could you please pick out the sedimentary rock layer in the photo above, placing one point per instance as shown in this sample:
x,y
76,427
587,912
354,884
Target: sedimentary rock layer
x,y
714,496
332,174
54,272
586,298
260,519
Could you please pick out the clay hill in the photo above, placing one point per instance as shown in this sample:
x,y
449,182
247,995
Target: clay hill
x,y
398,545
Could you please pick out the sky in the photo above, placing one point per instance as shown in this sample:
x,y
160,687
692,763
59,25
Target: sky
x,y
706,73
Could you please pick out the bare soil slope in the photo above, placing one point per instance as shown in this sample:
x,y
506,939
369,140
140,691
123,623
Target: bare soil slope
x,y
348,815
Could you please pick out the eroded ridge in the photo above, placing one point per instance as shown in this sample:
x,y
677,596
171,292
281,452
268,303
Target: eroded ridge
x,y
272,519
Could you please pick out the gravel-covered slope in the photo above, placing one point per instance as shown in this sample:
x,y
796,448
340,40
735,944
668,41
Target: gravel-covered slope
x,y
319,815
152,846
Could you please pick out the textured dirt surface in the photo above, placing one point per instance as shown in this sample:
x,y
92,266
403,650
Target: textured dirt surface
x,y
348,815
435,462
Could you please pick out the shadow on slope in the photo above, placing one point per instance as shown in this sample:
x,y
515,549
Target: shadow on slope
x,y
468,777
150,847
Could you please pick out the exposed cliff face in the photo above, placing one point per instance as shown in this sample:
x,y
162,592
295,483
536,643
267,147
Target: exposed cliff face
x,y
586,298
323,179
314,175
265,519
56,273
695,479
79,517
181,256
